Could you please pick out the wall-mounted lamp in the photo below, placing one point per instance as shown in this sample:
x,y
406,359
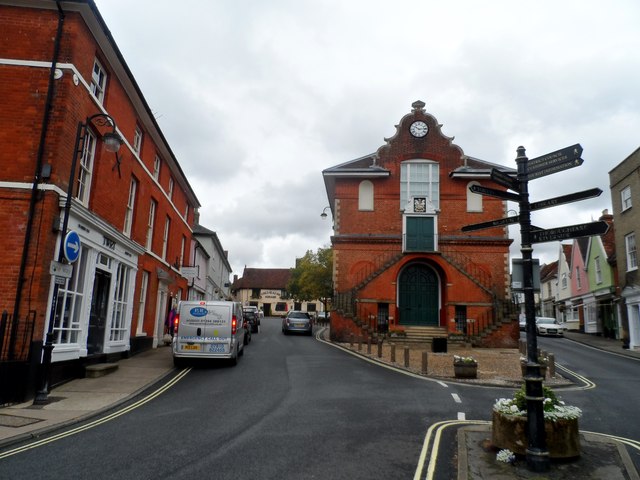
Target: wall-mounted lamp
x,y
324,212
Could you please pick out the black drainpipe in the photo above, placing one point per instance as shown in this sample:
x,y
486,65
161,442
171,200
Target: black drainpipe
x,y
36,181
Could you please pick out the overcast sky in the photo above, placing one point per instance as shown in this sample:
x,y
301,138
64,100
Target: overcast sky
x,y
257,97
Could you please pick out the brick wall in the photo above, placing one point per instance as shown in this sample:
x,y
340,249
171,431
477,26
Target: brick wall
x,y
28,35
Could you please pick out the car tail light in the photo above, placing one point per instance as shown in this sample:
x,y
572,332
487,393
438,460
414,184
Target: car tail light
x,y
176,322
234,325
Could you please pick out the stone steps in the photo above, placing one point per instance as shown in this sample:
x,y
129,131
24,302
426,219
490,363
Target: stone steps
x,y
99,370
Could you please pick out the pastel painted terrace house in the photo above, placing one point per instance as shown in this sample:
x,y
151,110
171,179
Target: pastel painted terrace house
x,y
401,259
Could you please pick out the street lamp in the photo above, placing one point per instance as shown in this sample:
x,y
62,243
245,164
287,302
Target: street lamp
x,y
324,212
112,142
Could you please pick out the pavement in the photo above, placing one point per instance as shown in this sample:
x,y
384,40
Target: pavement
x,y
82,399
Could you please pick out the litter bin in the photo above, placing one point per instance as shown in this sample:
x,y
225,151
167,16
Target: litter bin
x,y
439,345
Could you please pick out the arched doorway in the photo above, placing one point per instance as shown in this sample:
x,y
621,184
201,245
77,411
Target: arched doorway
x,y
419,296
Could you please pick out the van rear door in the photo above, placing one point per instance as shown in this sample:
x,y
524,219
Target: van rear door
x,y
205,329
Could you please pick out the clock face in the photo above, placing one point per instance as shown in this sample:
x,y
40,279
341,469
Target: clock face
x,y
418,129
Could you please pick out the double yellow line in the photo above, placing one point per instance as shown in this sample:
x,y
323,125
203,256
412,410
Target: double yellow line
x,y
426,446
98,421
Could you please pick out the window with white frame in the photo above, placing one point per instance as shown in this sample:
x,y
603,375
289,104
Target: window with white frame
x,y
184,243
128,214
474,200
98,80
186,211
137,140
156,168
67,322
144,286
165,238
632,257
85,171
578,278
598,268
118,327
625,197
563,281
170,192
365,196
419,178
150,223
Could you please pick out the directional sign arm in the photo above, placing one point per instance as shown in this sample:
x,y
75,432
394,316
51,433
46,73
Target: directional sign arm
x,y
501,222
570,231
572,197
494,193
557,167
559,156
505,180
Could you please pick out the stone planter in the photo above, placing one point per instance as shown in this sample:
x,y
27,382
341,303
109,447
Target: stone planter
x,y
465,370
562,436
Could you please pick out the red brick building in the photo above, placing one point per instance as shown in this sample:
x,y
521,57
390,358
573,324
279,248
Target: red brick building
x,y
401,259
63,81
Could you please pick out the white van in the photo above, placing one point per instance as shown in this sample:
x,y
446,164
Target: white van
x,y
208,329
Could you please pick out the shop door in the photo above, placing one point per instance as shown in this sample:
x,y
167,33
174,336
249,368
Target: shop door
x,y
419,296
98,314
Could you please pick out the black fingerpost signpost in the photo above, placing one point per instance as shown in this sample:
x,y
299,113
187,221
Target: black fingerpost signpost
x,y
537,454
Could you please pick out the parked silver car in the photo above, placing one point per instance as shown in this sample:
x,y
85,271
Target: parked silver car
x,y
297,321
549,326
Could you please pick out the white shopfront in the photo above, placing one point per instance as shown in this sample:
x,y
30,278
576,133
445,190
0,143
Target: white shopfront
x,y
94,308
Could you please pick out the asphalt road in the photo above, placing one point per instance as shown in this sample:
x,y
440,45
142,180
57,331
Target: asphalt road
x,y
298,408
609,401
293,407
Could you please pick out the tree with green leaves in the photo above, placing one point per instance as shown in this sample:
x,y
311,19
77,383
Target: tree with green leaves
x,y
312,278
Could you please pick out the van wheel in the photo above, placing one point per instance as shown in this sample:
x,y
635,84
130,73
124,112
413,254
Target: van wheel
x,y
178,362
234,359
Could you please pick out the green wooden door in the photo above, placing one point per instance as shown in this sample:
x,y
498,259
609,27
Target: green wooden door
x,y
420,234
419,296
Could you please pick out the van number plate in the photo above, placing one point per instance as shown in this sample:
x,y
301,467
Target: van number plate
x,y
191,347
217,348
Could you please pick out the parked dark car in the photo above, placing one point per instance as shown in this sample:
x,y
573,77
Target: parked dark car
x,y
251,316
297,321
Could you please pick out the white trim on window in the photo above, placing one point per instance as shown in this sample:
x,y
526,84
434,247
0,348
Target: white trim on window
x,y
150,223
128,214
137,140
156,167
631,251
182,247
419,178
165,237
98,81
85,171
625,198
118,327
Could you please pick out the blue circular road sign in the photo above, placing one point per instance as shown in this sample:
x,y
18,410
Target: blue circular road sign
x,y
72,246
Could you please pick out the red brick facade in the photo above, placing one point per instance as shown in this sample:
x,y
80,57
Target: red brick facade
x,y
133,321
371,260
